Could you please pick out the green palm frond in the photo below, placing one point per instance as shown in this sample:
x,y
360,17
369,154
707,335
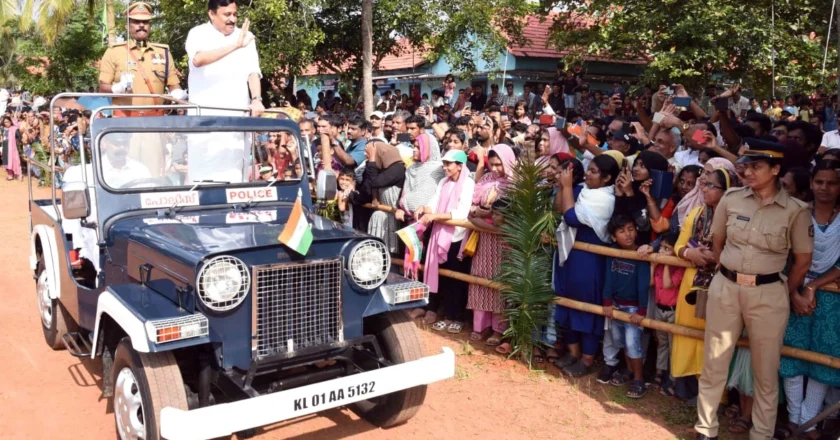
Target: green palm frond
x,y
50,17
527,263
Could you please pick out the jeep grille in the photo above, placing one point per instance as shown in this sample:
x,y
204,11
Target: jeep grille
x,y
297,306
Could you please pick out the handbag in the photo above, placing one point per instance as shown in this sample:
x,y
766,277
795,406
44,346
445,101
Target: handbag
x,y
565,236
471,244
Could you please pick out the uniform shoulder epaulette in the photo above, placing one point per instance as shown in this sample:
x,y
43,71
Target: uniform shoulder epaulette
x,y
117,45
798,202
160,45
736,189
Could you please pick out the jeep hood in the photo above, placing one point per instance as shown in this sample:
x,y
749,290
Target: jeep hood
x,y
189,237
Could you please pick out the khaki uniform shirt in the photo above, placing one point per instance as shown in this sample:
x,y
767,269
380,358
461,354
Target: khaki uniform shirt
x,y
759,238
154,65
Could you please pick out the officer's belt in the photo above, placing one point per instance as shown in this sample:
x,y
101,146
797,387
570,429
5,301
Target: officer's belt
x,y
750,280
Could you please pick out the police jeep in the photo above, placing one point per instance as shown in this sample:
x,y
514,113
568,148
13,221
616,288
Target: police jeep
x,y
159,256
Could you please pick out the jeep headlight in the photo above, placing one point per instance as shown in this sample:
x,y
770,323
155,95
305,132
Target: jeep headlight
x,y
223,283
369,264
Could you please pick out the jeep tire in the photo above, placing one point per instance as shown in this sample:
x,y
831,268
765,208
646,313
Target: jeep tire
x,y
398,337
144,384
60,321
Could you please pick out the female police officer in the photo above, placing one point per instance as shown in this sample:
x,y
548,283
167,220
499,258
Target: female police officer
x,y
754,229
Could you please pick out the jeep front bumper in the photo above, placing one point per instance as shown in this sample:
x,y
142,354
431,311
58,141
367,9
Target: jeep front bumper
x,y
226,419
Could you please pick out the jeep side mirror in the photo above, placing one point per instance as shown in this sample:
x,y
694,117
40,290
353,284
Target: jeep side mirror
x,y
75,200
326,185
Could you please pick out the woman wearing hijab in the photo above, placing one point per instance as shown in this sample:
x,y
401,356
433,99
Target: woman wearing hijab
x,y
694,198
579,275
451,201
422,177
687,353
632,194
486,303
383,170
384,176
550,142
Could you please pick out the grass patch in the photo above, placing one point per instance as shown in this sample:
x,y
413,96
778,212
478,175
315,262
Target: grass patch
x,y
467,349
619,396
677,415
461,373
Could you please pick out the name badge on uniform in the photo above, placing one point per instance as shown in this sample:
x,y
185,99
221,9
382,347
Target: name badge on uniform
x,y
132,63
741,217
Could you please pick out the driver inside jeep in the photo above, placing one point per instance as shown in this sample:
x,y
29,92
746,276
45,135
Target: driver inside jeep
x,y
117,168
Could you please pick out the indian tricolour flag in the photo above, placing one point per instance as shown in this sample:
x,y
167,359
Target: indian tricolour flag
x,y
297,234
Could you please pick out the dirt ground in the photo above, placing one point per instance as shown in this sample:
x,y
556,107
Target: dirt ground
x,y
47,394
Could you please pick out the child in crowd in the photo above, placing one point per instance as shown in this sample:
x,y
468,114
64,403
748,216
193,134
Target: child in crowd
x,y
626,289
666,283
347,184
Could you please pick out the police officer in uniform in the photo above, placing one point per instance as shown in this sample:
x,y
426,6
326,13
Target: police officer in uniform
x,y
139,66
755,228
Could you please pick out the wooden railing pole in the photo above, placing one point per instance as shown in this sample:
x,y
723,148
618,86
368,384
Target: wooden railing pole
x,y
674,329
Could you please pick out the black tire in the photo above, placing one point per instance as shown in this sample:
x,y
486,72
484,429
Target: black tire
x,y
61,322
400,343
159,383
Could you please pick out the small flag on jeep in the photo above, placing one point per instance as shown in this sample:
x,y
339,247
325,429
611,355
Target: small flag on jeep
x,y
297,234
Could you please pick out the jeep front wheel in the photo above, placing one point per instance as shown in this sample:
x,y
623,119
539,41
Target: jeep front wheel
x,y
55,321
397,335
144,384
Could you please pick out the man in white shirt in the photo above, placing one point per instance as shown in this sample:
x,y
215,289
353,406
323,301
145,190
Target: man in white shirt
x,y
224,68
224,65
831,139
117,168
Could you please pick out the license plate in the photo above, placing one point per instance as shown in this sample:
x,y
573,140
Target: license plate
x,y
335,396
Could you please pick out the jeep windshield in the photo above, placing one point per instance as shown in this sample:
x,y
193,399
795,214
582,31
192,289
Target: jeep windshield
x,y
178,160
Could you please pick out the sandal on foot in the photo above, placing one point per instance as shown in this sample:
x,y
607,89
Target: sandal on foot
x,y
732,411
577,369
455,327
637,389
538,356
621,378
504,348
480,336
739,426
430,318
566,360
658,380
668,391
783,432
417,313
494,340
440,326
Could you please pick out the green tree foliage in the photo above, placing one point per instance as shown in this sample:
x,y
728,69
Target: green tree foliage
x,y
526,267
67,64
692,41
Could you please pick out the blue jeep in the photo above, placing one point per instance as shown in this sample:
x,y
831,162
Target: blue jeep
x,y
160,256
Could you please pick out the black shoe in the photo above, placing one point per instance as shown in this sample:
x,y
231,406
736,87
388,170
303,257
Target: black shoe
x,y
606,374
704,437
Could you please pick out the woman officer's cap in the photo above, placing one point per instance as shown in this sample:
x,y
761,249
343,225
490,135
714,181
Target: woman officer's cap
x,y
758,149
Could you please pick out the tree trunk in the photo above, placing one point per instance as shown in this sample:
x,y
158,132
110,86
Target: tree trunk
x,y
111,22
367,56
837,22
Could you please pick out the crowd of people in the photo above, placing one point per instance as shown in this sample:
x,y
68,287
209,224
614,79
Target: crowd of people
x,y
748,198
744,190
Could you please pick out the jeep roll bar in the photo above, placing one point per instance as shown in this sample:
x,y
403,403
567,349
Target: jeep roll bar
x,y
178,104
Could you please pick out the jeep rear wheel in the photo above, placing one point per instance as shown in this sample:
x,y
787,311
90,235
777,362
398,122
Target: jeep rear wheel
x,y
55,321
400,343
144,384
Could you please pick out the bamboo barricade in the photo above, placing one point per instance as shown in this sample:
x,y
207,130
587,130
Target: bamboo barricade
x,y
674,329
591,248
792,352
